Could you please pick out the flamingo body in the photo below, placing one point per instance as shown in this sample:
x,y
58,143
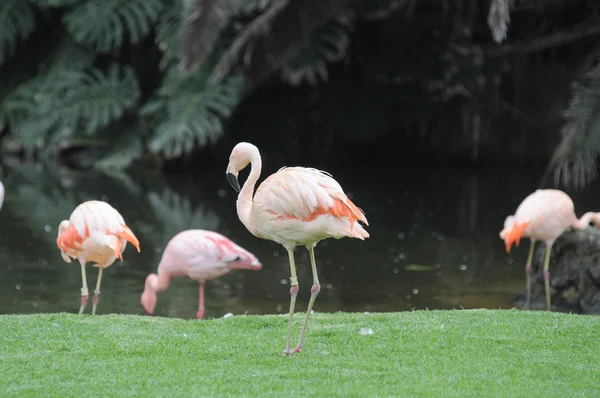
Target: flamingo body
x,y
200,255
302,206
294,206
95,232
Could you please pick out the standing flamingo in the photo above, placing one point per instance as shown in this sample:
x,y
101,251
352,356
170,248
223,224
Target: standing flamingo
x,y
294,206
95,232
199,255
544,215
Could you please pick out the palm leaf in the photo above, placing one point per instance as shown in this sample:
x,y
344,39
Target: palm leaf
x,y
17,19
168,32
328,44
103,24
575,160
65,100
190,109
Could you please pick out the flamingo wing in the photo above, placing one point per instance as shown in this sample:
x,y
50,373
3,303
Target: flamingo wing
x,y
306,193
89,219
203,252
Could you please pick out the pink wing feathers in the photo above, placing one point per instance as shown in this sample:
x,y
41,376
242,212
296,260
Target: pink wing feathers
x,y
195,252
89,218
306,193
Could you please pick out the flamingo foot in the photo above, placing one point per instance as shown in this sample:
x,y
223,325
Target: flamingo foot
x,y
200,314
84,300
288,352
298,349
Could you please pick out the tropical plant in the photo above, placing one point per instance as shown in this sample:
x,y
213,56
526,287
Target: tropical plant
x,y
132,77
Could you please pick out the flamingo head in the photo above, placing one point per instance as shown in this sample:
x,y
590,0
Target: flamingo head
x,y
245,261
149,299
241,155
513,232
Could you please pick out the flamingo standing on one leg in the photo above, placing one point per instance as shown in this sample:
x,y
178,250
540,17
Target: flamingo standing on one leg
x,y
95,232
295,206
544,215
200,255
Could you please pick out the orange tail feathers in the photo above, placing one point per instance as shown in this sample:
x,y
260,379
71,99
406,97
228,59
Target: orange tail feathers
x,y
515,234
128,235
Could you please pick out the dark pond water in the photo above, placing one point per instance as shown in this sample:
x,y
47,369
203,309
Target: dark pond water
x,y
434,243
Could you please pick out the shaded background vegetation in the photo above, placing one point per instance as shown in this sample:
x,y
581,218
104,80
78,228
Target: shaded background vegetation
x,y
96,83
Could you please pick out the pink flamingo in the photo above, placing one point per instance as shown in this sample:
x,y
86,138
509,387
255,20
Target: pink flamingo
x,y
97,233
544,215
199,255
295,206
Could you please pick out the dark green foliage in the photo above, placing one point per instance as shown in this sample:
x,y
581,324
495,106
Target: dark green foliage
x,y
188,110
104,25
575,161
17,22
328,44
128,77
65,100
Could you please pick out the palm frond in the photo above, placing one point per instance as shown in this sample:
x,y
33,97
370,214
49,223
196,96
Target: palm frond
x,y
104,25
203,22
328,45
575,161
190,109
64,101
499,18
17,18
168,32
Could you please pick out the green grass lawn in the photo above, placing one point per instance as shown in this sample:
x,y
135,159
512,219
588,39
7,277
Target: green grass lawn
x,y
423,353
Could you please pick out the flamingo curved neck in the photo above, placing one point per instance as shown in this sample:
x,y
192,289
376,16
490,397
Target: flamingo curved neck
x,y
585,220
244,201
160,283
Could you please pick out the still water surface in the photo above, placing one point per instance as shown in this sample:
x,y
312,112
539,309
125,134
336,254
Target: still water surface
x,y
434,243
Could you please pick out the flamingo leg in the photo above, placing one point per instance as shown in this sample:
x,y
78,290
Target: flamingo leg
x,y
547,274
293,295
528,271
314,292
84,289
200,313
97,291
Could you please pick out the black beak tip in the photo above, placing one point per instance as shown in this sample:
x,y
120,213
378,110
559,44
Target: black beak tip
x,y
147,313
235,184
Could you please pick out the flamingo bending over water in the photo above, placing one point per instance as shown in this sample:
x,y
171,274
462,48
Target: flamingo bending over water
x,y
97,233
543,215
200,255
294,206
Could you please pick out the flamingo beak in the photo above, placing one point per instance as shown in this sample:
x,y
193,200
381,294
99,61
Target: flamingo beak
x,y
233,180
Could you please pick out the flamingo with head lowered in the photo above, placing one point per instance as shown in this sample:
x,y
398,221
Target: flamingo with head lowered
x,y
543,215
295,206
200,255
